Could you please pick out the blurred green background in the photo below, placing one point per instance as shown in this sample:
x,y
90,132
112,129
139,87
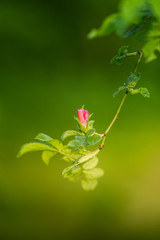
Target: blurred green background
x,y
48,69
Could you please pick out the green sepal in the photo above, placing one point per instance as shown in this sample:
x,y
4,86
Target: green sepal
x,y
90,124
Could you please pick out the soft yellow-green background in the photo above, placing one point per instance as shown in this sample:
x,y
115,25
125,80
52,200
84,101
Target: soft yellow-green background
x,y
48,69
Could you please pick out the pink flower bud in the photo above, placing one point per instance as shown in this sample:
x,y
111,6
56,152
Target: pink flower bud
x,y
83,116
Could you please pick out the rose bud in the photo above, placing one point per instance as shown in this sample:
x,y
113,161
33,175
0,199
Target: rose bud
x,y
83,116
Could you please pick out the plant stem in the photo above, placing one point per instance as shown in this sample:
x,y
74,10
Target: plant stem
x,y
131,54
140,54
113,121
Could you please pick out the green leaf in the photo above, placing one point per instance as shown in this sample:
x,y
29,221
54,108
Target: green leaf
x,y
88,156
106,28
46,156
90,115
130,83
150,49
43,137
94,139
90,132
93,33
132,10
93,173
69,133
132,80
156,6
89,184
134,30
56,144
77,142
91,163
72,173
67,169
31,147
143,91
122,54
67,159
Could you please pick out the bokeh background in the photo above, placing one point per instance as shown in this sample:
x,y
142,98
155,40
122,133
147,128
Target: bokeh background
x,y
48,69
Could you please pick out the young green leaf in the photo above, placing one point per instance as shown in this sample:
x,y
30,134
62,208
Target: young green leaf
x,y
43,137
47,155
143,91
130,83
122,54
90,132
56,144
89,184
108,26
30,147
91,163
94,139
150,49
93,173
74,174
69,133
67,169
88,156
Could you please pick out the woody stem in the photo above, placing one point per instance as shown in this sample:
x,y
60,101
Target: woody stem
x,y
140,54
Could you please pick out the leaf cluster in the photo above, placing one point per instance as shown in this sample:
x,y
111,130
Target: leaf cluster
x,y
83,162
138,18
130,84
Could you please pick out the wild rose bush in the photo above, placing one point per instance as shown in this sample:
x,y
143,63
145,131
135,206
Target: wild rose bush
x,y
138,18
82,161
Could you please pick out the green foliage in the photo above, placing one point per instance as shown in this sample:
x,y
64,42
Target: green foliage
x,y
94,139
121,56
89,184
108,26
82,161
31,147
69,133
138,18
130,83
143,91
47,155
91,163
43,137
